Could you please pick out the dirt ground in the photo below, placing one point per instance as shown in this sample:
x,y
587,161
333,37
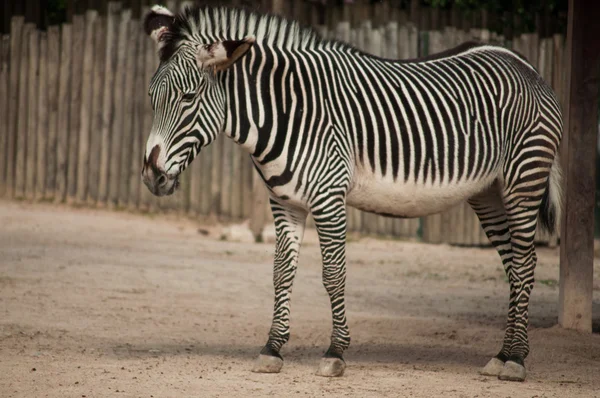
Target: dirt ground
x,y
109,304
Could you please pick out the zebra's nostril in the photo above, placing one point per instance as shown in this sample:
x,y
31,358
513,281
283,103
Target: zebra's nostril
x,y
161,181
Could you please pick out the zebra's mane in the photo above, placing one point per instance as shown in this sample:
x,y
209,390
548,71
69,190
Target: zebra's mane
x,y
206,24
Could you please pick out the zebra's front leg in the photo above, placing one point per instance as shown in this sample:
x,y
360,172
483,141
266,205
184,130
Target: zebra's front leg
x,y
330,220
289,230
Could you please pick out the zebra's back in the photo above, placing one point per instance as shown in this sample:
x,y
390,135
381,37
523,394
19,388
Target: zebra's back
x,y
430,133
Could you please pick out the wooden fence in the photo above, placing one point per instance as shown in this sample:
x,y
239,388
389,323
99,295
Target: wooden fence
x,y
75,115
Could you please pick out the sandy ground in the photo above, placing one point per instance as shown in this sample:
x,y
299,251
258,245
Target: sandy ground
x,y
108,304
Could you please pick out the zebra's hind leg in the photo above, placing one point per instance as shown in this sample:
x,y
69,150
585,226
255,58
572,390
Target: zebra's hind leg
x,y
489,208
522,210
330,220
289,230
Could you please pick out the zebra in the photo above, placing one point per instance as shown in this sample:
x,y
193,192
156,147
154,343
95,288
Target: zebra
x,y
328,126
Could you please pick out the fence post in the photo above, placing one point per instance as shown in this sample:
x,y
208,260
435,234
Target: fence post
x,y
52,76
42,126
117,132
236,181
17,36
226,177
32,112
4,104
215,167
133,28
206,207
64,95
247,183
137,151
75,116
96,111
22,110
86,111
107,133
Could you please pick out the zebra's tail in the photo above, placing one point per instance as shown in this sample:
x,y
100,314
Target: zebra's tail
x,y
551,206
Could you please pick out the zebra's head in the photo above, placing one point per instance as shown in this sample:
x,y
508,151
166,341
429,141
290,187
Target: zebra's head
x,y
186,93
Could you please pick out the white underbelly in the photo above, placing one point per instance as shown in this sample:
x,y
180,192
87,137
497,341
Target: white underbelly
x,y
409,199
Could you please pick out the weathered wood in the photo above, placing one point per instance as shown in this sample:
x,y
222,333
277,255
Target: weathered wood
x,y
32,112
75,115
579,153
17,35
96,113
226,175
236,181
53,93
117,132
86,111
108,95
4,105
64,111
216,165
127,132
247,182
207,157
22,132
42,120
137,150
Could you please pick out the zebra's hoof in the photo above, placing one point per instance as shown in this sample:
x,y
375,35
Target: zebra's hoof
x,y
512,371
331,367
267,364
493,368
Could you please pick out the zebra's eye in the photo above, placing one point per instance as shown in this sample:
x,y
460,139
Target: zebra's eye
x,y
188,97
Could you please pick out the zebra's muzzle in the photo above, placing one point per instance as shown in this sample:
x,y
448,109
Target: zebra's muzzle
x,y
159,183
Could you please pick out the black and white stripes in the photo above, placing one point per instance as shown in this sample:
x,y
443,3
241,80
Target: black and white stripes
x,y
328,126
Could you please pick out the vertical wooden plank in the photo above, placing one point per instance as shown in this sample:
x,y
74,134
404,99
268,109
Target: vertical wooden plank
x,y
75,115
108,94
4,104
247,181
32,112
53,93
127,132
64,111
458,224
137,151
42,126
226,175
23,110
216,186
579,152
236,181
86,111
17,35
117,132
207,177
96,112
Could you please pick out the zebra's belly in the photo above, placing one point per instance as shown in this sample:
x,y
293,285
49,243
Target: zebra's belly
x,y
410,199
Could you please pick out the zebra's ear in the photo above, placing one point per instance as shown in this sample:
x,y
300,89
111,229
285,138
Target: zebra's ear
x,y
222,54
157,22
